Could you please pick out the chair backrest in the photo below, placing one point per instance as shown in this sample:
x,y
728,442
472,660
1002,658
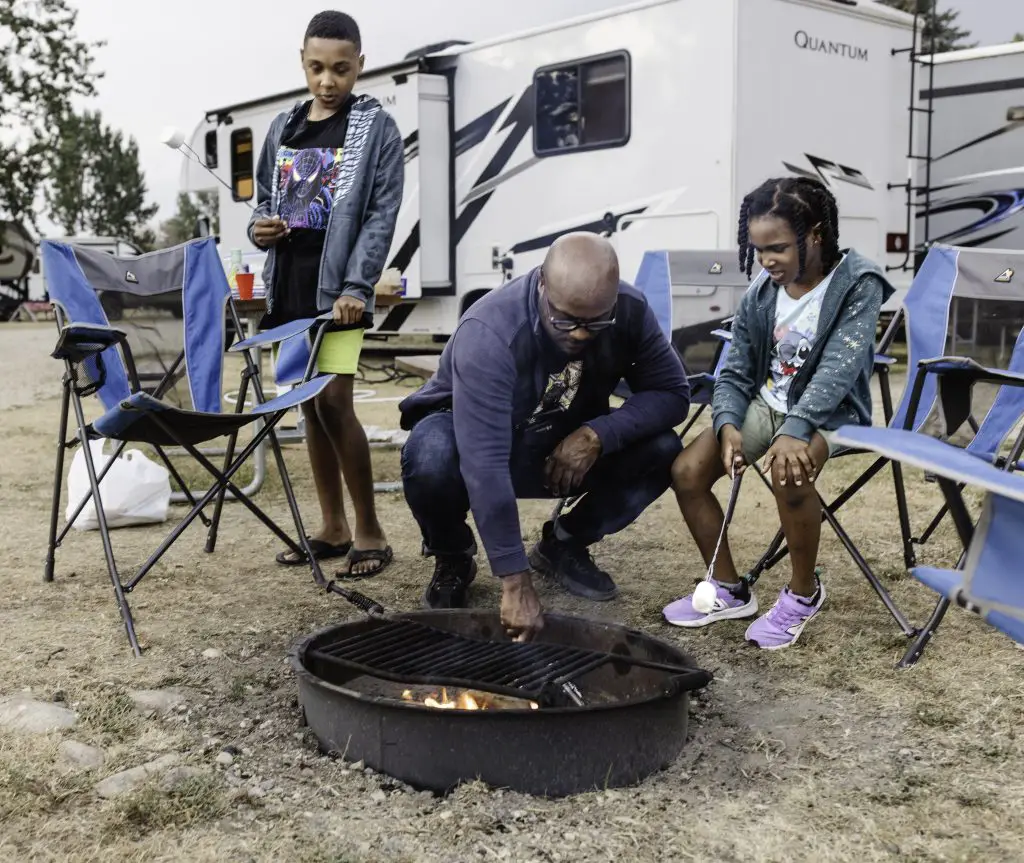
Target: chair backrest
x,y
74,274
947,275
654,281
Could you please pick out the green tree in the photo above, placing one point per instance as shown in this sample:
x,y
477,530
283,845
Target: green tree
x,y
948,35
1018,37
182,225
95,184
42,67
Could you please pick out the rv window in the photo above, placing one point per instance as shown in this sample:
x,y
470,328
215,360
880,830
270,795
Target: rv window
x,y
210,149
241,164
583,105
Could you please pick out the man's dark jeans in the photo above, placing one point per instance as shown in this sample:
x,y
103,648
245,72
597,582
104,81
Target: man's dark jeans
x,y
618,487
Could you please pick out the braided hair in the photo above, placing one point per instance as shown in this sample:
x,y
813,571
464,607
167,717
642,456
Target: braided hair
x,y
805,204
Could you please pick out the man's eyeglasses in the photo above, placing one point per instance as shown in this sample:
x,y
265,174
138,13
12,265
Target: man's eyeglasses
x,y
568,323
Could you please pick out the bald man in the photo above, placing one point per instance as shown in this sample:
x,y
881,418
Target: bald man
x,y
519,408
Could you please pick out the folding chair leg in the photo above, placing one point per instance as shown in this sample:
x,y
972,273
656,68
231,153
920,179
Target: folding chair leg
x,y
918,645
906,535
108,551
289,493
177,477
828,514
863,566
771,556
229,454
953,492
58,477
928,531
776,552
691,421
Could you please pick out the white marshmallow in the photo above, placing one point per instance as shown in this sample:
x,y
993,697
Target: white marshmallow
x,y
704,597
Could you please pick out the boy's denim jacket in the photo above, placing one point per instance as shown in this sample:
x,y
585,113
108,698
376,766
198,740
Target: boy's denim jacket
x,y
361,225
833,386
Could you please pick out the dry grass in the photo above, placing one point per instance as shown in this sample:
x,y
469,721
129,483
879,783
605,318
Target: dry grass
x,y
821,753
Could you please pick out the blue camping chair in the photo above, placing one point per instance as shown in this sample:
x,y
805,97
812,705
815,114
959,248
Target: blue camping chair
x,y
988,579
933,384
98,361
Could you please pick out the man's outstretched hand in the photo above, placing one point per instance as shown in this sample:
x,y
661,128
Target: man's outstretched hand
x,y
567,466
521,611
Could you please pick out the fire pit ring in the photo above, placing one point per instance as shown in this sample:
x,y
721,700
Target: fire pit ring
x,y
633,721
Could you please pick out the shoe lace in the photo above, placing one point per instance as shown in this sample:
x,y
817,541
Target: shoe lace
x,y
448,574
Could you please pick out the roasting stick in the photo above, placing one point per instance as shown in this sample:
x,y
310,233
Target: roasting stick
x,y
706,594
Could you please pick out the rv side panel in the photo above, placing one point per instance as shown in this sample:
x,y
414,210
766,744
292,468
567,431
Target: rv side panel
x,y
822,95
977,152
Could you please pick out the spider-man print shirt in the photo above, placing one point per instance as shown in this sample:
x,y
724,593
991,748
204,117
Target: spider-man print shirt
x,y
308,165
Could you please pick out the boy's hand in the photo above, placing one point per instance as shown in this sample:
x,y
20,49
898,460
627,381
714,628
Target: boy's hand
x,y
267,232
348,310
789,458
731,442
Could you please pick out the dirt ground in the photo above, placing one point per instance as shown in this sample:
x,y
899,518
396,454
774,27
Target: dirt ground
x,y
823,752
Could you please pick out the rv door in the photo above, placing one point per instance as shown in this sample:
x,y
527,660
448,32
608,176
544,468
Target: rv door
x,y
428,192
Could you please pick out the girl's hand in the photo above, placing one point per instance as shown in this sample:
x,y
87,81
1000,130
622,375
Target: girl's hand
x,y
731,442
789,459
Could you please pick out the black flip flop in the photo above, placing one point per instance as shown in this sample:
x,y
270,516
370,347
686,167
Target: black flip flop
x,y
321,549
357,555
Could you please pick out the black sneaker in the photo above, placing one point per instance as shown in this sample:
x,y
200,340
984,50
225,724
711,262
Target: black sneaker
x,y
570,564
453,574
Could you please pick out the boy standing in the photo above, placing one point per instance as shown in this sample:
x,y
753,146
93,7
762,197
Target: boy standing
x,y
329,186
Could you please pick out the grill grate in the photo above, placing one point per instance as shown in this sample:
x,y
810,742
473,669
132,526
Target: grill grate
x,y
410,652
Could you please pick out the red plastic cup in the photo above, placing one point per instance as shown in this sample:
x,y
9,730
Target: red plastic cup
x,y
244,282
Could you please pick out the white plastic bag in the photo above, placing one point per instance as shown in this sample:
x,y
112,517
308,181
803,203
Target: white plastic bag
x,y
136,490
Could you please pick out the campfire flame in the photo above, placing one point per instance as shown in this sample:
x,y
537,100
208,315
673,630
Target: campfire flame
x,y
469,700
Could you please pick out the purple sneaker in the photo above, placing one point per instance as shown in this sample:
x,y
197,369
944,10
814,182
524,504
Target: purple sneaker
x,y
728,606
782,625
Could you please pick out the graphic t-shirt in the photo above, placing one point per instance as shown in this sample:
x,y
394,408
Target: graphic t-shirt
x,y
796,328
308,166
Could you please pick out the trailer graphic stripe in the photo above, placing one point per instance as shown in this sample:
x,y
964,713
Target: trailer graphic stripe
x,y
973,89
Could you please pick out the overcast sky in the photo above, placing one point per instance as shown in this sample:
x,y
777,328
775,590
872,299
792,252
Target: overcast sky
x,y
167,63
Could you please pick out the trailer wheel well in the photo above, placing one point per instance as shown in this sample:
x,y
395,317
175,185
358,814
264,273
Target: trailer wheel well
x,y
471,298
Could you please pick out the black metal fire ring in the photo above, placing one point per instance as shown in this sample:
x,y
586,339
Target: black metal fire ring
x,y
549,752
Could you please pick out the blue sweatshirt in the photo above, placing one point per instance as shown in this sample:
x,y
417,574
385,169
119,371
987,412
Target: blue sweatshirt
x,y
514,397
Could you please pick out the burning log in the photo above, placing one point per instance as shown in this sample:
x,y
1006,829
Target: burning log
x,y
470,699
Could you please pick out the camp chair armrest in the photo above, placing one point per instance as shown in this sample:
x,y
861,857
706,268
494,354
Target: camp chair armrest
x,y
77,341
291,329
970,371
884,360
932,456
723,335
275,334
957,377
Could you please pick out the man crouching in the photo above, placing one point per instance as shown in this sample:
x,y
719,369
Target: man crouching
x,y
519,408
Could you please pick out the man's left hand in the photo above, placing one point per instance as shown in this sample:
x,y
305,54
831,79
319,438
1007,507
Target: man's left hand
x,y
567,466
790,461
348,310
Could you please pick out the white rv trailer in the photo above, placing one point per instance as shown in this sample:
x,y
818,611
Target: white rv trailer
x,y
972,184
648,122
